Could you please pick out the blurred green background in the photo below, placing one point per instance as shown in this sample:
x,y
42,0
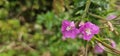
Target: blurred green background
x,y
32,27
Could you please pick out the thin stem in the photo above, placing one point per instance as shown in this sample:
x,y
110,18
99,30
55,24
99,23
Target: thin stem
x,y
86,9
97,16
111,52
108,46
86,49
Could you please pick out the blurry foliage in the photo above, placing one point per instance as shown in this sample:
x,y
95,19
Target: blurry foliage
x,y
97,6
32,28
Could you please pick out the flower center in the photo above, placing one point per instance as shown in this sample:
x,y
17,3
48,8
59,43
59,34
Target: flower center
x,y
68,28
88,32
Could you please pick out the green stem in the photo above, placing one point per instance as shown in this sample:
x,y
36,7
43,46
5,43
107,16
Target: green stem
x,y
97,16
108,46
85,11
86,49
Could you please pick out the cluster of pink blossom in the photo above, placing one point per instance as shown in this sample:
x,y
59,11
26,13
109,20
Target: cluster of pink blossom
x,y
85,31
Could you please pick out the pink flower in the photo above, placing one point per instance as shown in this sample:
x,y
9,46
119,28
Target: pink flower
x,y
111,16
113,44
88,30
99,48
68,29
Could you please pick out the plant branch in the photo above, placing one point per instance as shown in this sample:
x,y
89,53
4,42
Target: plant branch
x,y
86,49
108,46
86,8
85,11
97,16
